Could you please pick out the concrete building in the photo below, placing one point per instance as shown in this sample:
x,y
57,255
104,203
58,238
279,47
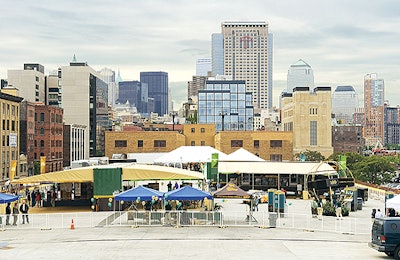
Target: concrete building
x,y
246,56
197,83
30,82
10,128
85,103
48,138
374,97
199,134
157,82
227,104
203,66
308,115
347,139
74,143
344,103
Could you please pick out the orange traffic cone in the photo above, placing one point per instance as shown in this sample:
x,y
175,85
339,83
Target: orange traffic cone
x,y
72,224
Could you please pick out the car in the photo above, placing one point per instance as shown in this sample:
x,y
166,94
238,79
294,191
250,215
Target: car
x,y
386,236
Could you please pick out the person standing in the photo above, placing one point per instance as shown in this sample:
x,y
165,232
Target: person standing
x,y
339,210
169,185
33,197
24,210
8,213
378,214
38,199
15,213
53,198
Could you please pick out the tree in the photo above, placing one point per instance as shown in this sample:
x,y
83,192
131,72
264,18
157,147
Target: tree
x,y
375,169
310,156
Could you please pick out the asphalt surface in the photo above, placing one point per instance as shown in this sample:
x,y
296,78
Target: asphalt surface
x,y
117,242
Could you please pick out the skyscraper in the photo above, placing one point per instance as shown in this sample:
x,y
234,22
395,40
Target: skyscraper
x,y
203,66
344,103
217,54
157,82
374,109
108,76
136,93
246,56
300,74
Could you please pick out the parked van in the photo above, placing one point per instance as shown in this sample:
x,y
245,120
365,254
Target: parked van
x,y
386,236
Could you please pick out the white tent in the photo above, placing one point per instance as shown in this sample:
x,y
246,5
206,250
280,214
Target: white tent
x,y
189,154
303,168
393,202
242,155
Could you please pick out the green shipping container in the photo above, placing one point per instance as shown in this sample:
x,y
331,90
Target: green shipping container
x,y
106,181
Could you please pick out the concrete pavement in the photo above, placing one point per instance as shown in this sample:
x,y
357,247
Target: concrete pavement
x,y
191,242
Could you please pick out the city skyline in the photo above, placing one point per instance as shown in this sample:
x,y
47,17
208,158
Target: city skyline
x,y
342,41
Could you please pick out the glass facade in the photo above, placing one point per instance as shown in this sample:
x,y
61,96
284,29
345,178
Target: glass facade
x,y
157,82
227,105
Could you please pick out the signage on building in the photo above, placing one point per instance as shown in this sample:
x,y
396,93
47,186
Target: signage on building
x,y
13,140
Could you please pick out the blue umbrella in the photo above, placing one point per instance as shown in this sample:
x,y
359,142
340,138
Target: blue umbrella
x,y
144,193
6,198
187,193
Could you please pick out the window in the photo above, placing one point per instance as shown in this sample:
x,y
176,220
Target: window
x,y
236,143
256,143
120,143
12,125
41,117
203,130
42,131
193,143
41,143
275,143
192,130
313,132
160,143
275,157
203,143
140,143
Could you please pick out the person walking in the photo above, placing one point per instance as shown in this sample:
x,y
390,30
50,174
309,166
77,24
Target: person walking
x,y
15,213
8,214
24,210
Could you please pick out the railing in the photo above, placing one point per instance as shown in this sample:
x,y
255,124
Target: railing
x,y
192,218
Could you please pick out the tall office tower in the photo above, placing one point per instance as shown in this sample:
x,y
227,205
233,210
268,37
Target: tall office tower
x,y
308,115
270,66
108,76
136,93
217,54
197,83
227,104
30,82
85,103
373,109
344,103
300,74
157,82
203,66
392,125
246,57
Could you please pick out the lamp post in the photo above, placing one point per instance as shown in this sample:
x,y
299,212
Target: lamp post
x,y
223,114
173,121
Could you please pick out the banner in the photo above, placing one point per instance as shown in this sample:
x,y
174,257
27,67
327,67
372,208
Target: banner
x,y
214,160
342,165
42,164
13,169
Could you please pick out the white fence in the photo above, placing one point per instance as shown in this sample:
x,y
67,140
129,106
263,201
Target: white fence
x,y
191,218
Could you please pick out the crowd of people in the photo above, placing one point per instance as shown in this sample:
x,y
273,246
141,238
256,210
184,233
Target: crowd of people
x,y
15,212
377,213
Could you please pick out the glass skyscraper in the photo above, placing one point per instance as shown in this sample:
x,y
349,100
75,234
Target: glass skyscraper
x,y
344,103
157,82
226,104
300,74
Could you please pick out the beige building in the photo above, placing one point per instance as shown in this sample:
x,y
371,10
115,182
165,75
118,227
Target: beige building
x,y
10,129
271,146
308,115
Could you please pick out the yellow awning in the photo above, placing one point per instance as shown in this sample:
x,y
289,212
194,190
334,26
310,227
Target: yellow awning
x,y
73,175
138,172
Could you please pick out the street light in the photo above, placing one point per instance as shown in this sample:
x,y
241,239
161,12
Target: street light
x,y
173,121
223,114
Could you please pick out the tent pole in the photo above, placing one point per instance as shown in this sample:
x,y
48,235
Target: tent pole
x,y
252,183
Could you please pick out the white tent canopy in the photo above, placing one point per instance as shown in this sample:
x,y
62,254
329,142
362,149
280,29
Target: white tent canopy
x,y
393,202
242,155
302,168
189,154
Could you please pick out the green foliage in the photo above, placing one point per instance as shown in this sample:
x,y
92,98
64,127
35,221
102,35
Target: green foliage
x,y
192,119
311,156
36,167
375,169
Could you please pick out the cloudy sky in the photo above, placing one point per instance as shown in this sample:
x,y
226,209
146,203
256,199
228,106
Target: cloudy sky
x,y
342,40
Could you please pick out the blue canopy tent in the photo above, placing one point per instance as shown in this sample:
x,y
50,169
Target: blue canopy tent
x,y
6,198
187,193
144,193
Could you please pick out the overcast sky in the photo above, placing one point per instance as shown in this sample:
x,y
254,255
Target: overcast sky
x,y
342,40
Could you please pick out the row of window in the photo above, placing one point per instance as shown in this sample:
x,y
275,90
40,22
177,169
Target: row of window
x,y
6,125
157,143
6,109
